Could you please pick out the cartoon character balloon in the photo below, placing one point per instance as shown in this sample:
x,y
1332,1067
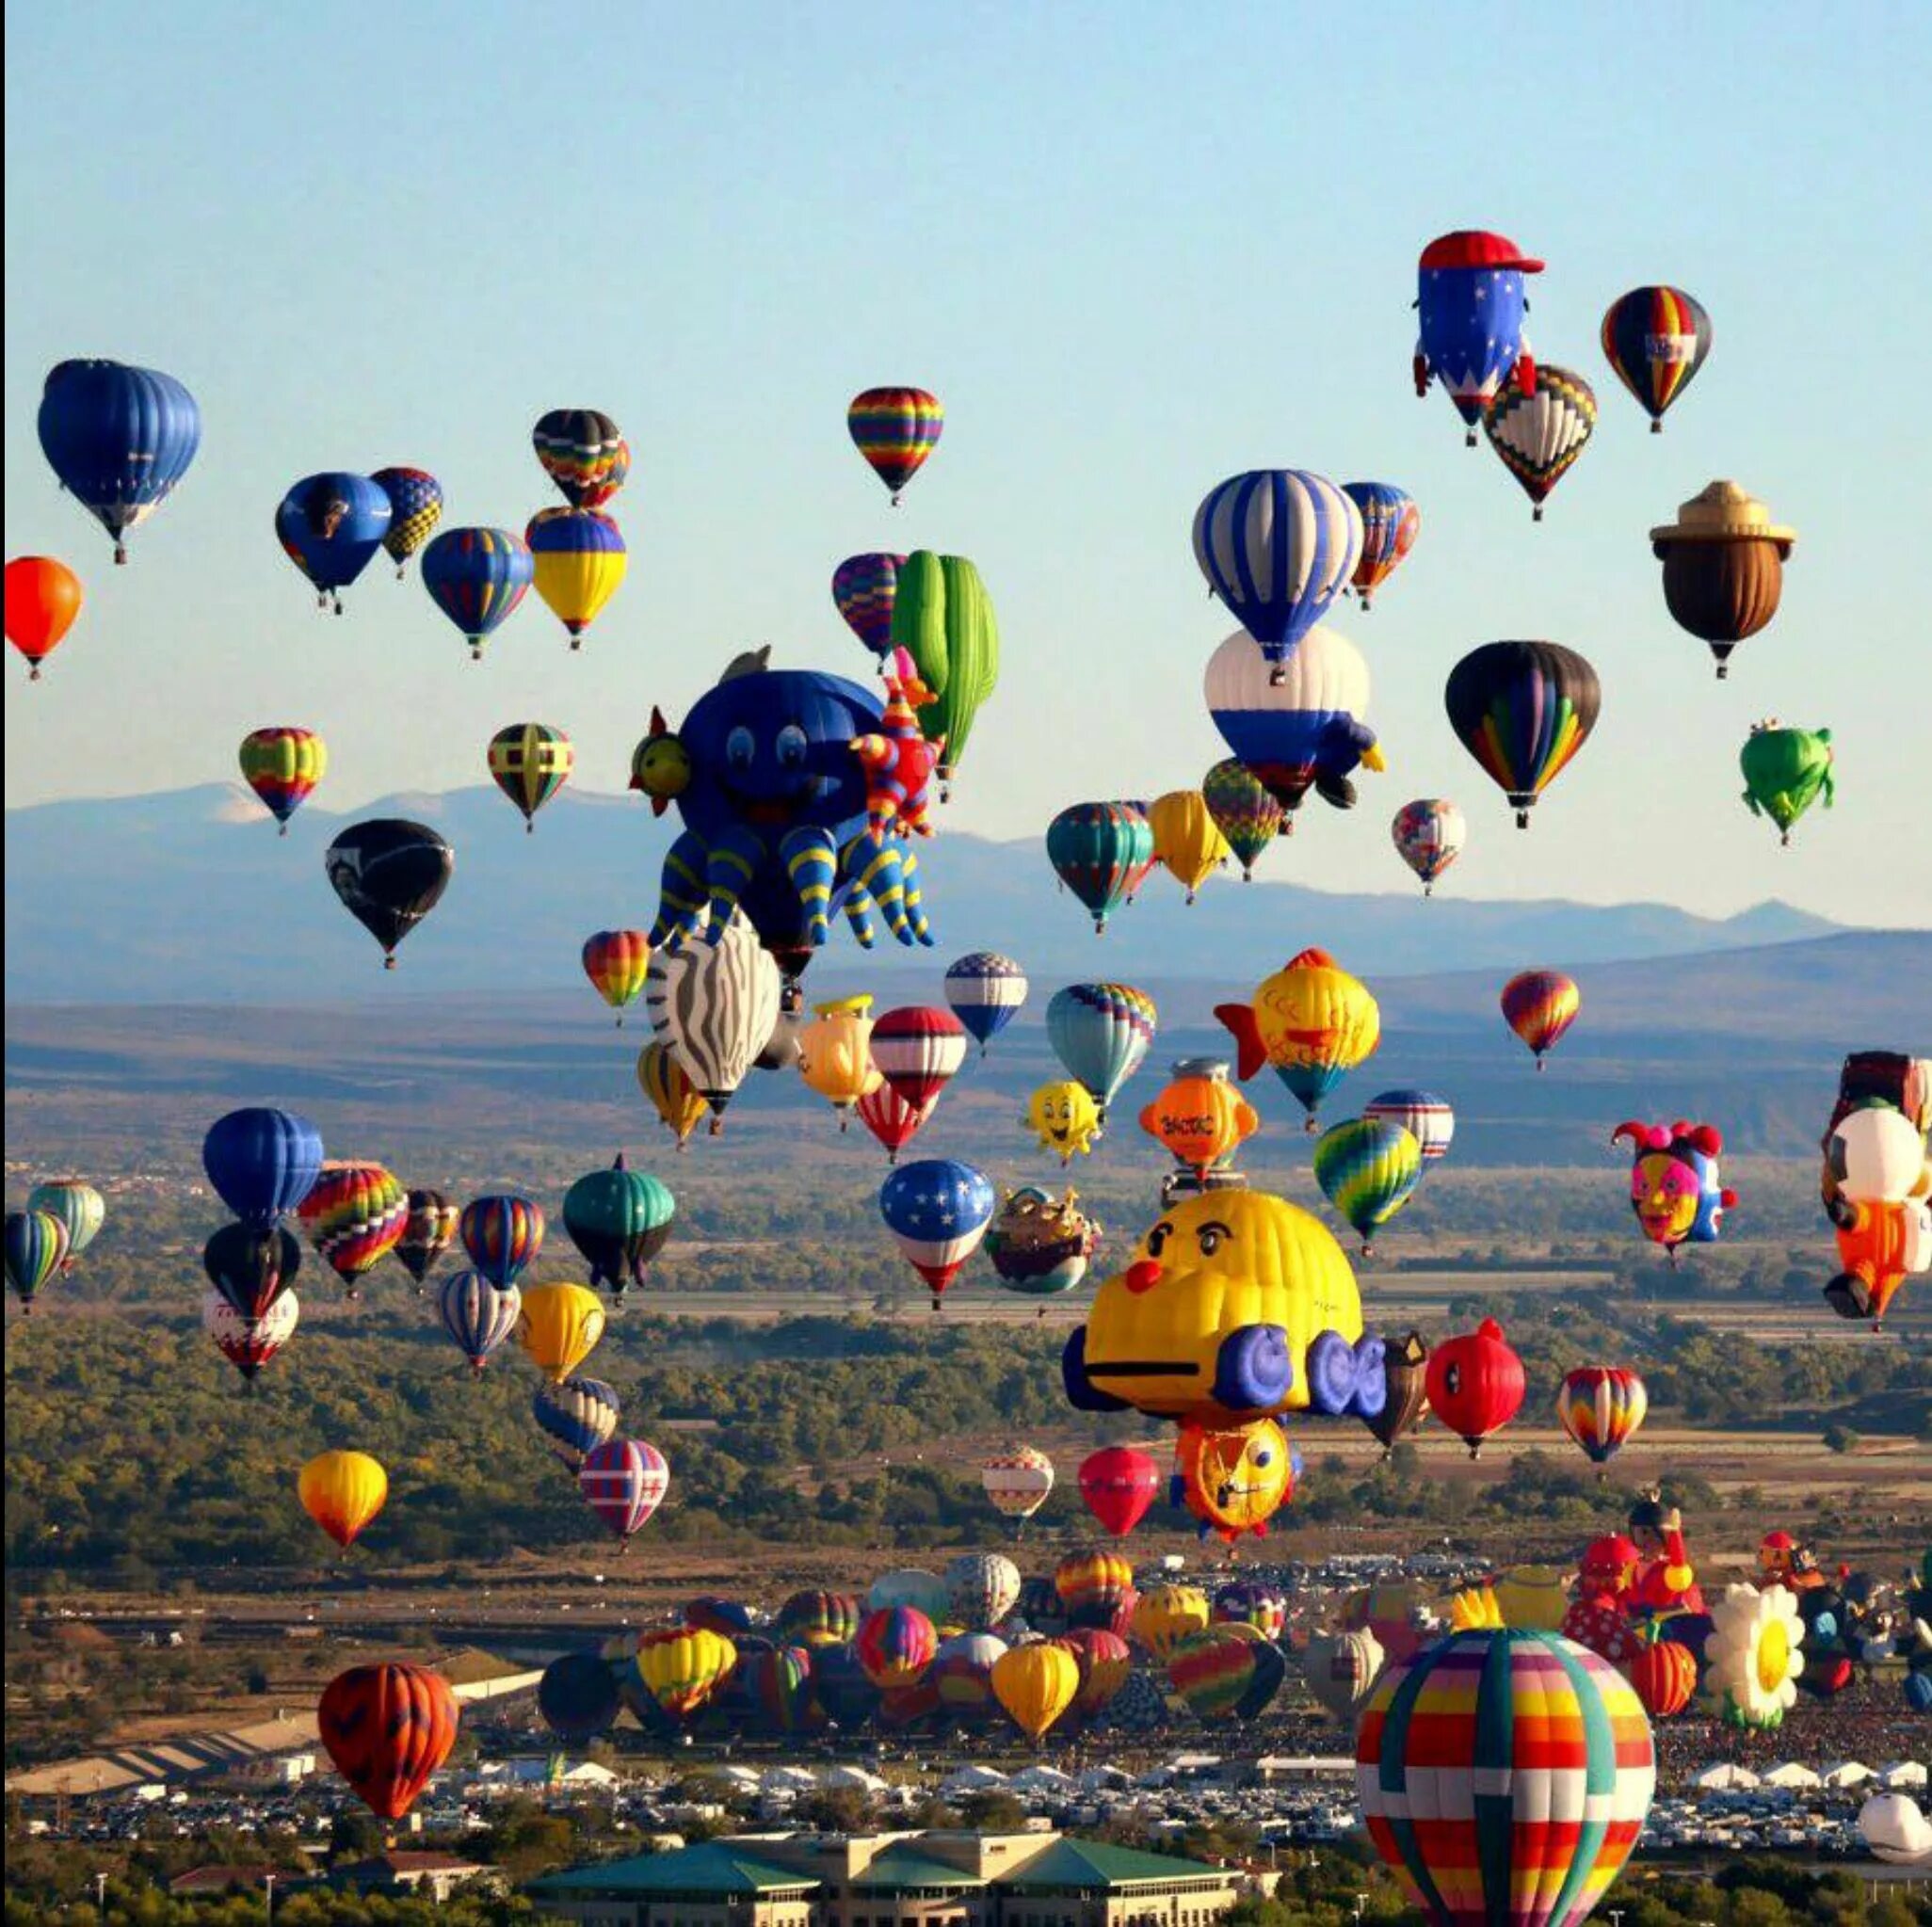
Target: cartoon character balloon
x,y
1233,1481
1476,1384
898,759
1200,1120
1470,305
1040,1244
1065,1119
1674,1186
1785,772
1723,566
1310,1022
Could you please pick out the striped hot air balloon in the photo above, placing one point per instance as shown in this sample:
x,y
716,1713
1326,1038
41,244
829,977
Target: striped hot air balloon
x,y
1601,1406
896,1645
428,1231
986,990
578,561
1522,709
584,452
502,1233
1505,1774
1540,1005
479,1316
891,1119
1655,339
1367,1169
78,1206
354,1215
817,1619
575,1414
1277,546
864,588
282,766
1227,1671
477,577
1540,431
717,1005
682,1667
1390,524
1017,1480
623,1481
895,430
918,1049
530,763
663,1079
1428,1118
35,1247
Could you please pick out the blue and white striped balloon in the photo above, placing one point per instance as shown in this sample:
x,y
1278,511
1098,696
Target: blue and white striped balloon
x,y
1277,546
479,1316
985,991
1428,1118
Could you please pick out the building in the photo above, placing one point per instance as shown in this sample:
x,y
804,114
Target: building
x,y
932,1879
426,1875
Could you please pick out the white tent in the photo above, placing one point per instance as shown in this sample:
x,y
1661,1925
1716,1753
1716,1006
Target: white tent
x,y
1725,1777
1101,1779
1041,1779
1792,1772
853,1777
1847,1773
788,1780
1904,1773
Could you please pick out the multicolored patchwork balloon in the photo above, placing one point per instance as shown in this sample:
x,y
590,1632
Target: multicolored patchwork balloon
x,y
895,430
1538,432
415,507
864,588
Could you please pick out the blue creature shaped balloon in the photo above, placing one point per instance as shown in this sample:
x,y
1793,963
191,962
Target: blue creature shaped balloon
x,y
119,438
985,991
1470,302
262,1163
329,526
773,793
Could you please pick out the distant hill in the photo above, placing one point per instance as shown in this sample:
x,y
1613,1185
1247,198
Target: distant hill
x,y
190,895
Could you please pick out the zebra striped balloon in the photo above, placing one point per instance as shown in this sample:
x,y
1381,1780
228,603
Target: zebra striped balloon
x,y
715,1004
1277,546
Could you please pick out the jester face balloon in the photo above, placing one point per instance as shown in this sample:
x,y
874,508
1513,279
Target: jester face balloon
x,y
1674,1186
773,796
1234,1481
1065,1118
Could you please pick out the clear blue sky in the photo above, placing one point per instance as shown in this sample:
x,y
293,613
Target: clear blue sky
x,y
1134,247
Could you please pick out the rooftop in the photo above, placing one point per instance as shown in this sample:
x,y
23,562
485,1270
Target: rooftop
x,y
904,1865
1089,1863
711,1867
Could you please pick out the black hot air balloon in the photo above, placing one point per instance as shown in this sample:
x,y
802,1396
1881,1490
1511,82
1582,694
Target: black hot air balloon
x,y
390,874
427,1233
251,1268
1522,709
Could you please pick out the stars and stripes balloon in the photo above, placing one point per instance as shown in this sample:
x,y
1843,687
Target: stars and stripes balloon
x,y
283,765
1470,305
530,763
895,430
1655,339
415,507
938,1209
479,1316
623,1481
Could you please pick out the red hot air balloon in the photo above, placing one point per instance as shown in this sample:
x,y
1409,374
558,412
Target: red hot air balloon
x,y
388,1728
891,1119
1476,1384
1118,1485
1539,1005
43,597
918,1048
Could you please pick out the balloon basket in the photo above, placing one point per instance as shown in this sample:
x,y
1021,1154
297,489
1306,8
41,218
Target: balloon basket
x,y
120,556
1656,428
1469,437
388,963
34,674
283,831
1536,513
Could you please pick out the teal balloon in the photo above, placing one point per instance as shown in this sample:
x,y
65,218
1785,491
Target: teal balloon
x,y
1101,851
1367,1169
1100,1032
620,1219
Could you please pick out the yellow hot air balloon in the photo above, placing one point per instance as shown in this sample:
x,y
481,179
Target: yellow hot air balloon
x,y
560,1327
672,1095
1167,1615
1187,840
1036,1684
836,1054
683,1666
579,560
1532,1599
342,1491
1311,1022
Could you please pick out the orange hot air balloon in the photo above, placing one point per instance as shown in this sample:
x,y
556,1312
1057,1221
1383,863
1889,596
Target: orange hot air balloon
x,y
43,597
1200,1119
388,1728
1539,1005
342,1491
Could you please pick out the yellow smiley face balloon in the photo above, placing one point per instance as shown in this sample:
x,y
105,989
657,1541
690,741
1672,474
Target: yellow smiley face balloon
x,y
1234,1481
1065,1118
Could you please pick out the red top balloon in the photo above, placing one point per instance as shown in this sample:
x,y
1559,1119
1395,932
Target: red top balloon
x,y
1119,1484
1476,1384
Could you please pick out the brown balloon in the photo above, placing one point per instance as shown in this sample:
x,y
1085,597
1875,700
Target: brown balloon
x,y
1723,566
1405,1373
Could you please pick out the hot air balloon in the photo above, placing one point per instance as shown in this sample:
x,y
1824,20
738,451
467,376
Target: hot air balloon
x,y
575,1414
1539,1005
1095,1587
43,597
1187,842
817,1619
1522,709
1723,566
1227,1671
1039,1244
1235,1478
1428,835
584,452
715,1004
262,1162
1200,1120
1105,1662
1101,852
81,1209
835,1053
1367,1169
354,1215
560,1327
1785,772
1245,809
620,1219
962,1674
938,1209
502,1233
119,438
479,1316
1601,1406
248,1268
1470,305
944,619
1390,524
249,1343
918,1049
616,962
331,527
1277,546
282,768
390,874
1017,1480
773,1684
1119,1484
530,763
1675,1188
1540,431
672,1095
1428,1118
577,1697
388,1728
1505,1774
342,1491
1476,1384
477,577
1167,1614
35,1247
1341,1669
985,992
579,562
1311,1021
1303,729
1655,339
895,430
1035,1685
891,1119
1405,1392
415,507
839,1686
1100,1032
864,588
623,1481
896,1645
1249,1602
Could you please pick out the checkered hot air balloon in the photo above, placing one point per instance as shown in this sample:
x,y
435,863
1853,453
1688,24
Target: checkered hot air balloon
x,y
623,1481
354,1215
864,588
1505,1776
415,507
985,991
1017,1482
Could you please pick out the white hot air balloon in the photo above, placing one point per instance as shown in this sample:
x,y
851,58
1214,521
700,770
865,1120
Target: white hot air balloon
x,y
716,1005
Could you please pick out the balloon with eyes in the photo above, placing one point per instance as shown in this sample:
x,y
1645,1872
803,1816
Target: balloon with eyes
x,y
898,760
1234,1481
1674,1186
775,799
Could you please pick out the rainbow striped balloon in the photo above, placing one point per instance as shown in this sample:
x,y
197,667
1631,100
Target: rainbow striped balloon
x,y
895,430
1655,339
1505,1776
1601,1406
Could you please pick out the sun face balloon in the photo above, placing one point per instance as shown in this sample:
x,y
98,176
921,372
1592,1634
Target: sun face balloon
x,y
1065,1119
1234,1481
1674,1186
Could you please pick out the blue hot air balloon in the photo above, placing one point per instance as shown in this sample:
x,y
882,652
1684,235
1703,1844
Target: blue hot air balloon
x,y
577,1414
1470,305
1277,546
938,1209
985,991
329,525
477,577
119,438
478,1315
1100,1032
262,1162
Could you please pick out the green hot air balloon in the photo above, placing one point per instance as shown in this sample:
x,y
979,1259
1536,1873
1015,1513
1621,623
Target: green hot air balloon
x,y
1366,1168
620,1219
1785,771
1101,852
1245,811
944,619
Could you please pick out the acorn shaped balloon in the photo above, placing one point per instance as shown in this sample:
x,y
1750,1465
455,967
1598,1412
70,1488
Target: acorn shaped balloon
x,y
1723,566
